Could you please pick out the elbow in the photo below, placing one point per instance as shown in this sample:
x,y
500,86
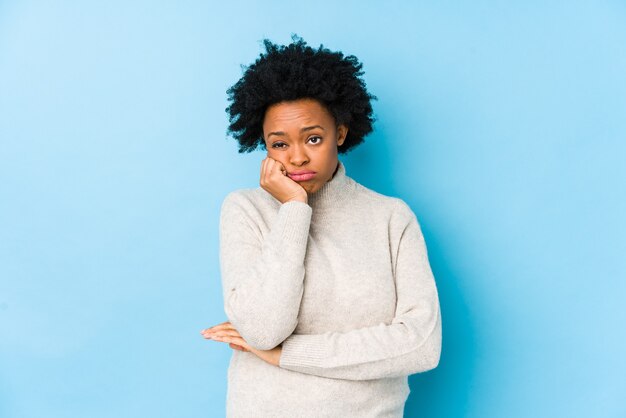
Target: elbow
x,y
268,338
432,358
427,356
432,353
264,343
263,332
263,321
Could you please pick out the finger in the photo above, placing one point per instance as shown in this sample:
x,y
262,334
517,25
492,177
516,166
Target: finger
x,y
211,334
223,325
262,174
266,168
269,169
276,167
281,168
270,164
235,340
239,341
226,333
237,347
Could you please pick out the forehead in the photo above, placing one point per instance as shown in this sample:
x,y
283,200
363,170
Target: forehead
x,y
297,112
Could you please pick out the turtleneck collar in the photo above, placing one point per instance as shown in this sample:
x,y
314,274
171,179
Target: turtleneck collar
x,y
333,191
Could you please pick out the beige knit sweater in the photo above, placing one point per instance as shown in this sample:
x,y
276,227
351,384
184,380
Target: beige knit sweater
x,y
344,283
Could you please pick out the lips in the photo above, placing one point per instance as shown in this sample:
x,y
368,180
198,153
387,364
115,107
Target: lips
x,y
301,175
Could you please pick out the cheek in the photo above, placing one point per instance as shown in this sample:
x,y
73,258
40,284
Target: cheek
x,y
329,153
278,157
271,152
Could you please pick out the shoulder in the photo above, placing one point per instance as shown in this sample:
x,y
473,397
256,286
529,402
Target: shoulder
x,y
247,196
248,201
238,197
393,206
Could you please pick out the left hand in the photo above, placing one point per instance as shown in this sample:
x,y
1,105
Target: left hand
x,y
225,332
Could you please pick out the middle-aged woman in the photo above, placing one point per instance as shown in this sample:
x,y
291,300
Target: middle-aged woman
x,y
330,298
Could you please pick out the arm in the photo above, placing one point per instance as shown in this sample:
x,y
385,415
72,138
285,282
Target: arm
x,y
410,344
262,276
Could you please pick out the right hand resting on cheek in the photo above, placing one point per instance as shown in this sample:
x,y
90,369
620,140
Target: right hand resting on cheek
x,y
275,181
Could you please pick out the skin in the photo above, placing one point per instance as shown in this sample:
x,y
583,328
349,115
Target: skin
x,y
226,333
299,135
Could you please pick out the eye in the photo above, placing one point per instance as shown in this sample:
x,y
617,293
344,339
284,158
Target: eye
x,y
277,144
318,138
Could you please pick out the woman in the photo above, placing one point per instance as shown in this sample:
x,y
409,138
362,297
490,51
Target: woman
x,y
330,298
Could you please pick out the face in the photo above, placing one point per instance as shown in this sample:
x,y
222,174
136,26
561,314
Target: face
x,y
303,136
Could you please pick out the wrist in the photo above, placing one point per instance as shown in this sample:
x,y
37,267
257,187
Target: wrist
x,y
303,199
279,351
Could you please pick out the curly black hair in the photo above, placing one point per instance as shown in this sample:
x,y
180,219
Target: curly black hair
x,y
297,71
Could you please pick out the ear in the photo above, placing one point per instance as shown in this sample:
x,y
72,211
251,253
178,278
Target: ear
x,y
342,132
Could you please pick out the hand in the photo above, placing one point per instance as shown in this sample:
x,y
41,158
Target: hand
x,y
274,179
226,333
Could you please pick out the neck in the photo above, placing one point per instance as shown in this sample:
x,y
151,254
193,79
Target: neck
x,y
333,191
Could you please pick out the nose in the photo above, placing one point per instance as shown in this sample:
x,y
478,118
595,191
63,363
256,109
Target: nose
x,y
298,156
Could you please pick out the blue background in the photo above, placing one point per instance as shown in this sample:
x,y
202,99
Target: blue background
x,y
502,125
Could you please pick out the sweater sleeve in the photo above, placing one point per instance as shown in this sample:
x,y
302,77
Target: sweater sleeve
x,y
410,344
263,274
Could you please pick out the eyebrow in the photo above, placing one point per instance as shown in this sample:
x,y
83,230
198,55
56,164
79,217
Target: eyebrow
x,y
306,128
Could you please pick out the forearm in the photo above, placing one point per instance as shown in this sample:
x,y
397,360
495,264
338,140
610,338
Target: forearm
x,y
411,343
263,274
264,306
369,353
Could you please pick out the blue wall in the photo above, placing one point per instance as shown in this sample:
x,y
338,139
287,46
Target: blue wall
x,y
501,124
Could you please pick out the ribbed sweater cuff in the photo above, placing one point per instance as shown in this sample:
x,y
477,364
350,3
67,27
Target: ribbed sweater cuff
x,y
303,350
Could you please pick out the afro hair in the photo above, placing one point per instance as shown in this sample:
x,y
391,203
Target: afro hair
x,y
297,71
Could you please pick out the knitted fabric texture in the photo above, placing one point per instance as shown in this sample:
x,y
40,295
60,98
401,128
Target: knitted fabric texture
x,y
343,282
